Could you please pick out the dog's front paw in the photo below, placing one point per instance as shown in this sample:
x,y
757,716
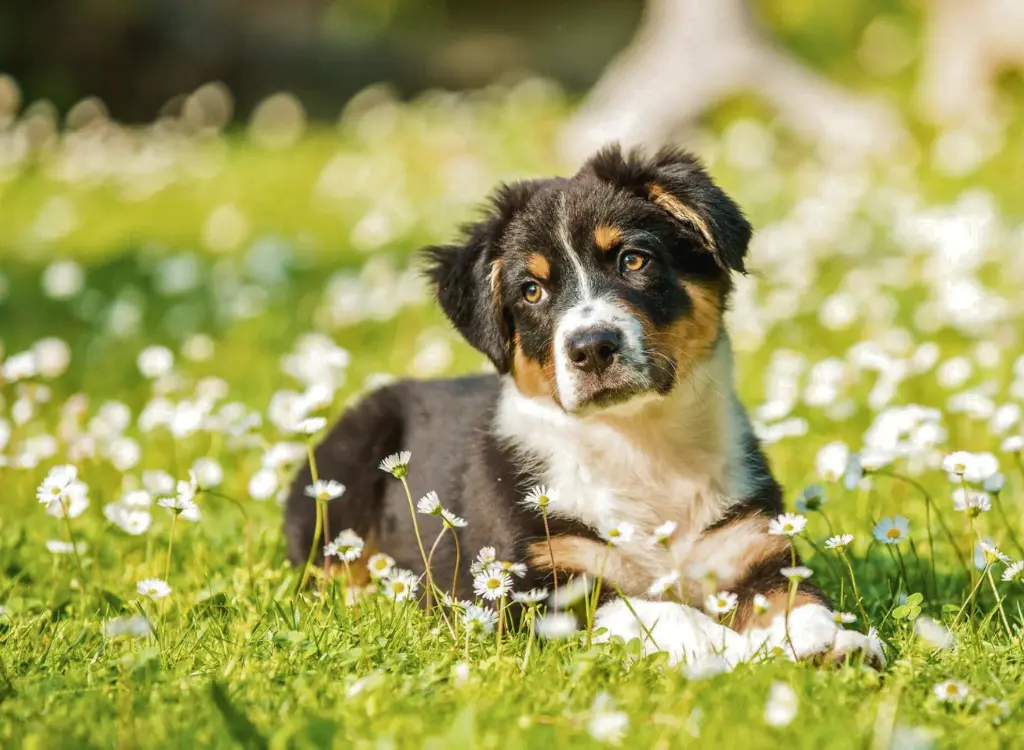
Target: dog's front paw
x,y
811,633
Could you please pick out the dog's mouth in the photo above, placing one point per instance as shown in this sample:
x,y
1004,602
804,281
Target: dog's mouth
x,y
621,384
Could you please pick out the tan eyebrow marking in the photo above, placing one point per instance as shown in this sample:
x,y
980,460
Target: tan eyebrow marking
x,y
539,266
607,237
680,210
495,274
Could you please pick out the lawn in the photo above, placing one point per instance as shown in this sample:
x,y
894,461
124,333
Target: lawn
x,y
883,314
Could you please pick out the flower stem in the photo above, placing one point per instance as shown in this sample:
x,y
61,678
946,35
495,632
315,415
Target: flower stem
x,y
322,513
498,631
551,551
170,546
312,549
970,597
74,548
595,595
790,598
853,584
419,540
455,575
999,604
529,639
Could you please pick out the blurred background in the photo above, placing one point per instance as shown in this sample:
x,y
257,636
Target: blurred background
x,y
183,171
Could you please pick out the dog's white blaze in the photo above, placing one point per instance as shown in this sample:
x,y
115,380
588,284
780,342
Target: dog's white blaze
x,y
678,458
563,236
592,314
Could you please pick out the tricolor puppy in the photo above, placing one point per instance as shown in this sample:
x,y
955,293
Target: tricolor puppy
x,y
599,299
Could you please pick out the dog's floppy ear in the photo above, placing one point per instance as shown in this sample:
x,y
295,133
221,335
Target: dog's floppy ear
x,y
676,182
465,275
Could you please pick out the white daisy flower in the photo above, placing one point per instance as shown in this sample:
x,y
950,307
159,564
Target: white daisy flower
x,y
429,504
557,625
958,462
892,530
992,554
400,585
56,483
479,620
843,618
617,534
134,626
540,497
831,461
154,588
951,691
970,467
787,524
531,597
485,557
453,521
995,483
761,604
58,547
811,499
782,705
1014,572
397,464
933,632
325,490
158,482
347,546
310,425
664,584
492,583
606,724
971,502
208,471
839,542
662,535
797,573
380,565
513,568
721,603
1013,444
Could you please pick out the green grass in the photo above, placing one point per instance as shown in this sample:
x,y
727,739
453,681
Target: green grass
x,y
236,657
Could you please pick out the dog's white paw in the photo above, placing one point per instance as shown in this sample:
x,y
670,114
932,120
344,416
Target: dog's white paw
x,y
812,632
684,633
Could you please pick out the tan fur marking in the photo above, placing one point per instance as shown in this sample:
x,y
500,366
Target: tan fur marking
x,y
531,377
731,551
539,267
680,210
691,339
495,278
607,237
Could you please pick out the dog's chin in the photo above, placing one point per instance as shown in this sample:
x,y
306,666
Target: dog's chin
x,y
604,398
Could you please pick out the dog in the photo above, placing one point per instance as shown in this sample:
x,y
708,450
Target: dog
x,y
599,299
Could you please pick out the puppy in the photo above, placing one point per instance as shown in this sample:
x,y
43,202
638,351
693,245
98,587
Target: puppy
x,y
599,298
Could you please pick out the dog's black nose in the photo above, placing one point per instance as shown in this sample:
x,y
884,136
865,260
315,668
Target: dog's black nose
x,y
594,350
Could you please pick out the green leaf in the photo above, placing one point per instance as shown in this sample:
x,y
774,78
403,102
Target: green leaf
x,y
901,612
914,599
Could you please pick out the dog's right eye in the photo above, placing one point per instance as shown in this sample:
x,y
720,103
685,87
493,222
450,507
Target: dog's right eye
x,y
533,292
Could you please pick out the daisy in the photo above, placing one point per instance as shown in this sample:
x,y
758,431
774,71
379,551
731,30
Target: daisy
x,y
532,597
311,425
453,521
56,483
811,499
951,691
797,573
540,497
325,490
513,568
787,524
831,461
58,547
958,463
154,588
617,534
662,535
839,542
430,504
158,483
380,565
401,584
664,584
971,502
761,604
1015,572
854,471
1013,444
992,554
970,467
606,724
452,603
933,632
557,625
892,530
492,583
843,618
782,705
485,557
994,484
347,546
721,603
479,620
397,464
135,626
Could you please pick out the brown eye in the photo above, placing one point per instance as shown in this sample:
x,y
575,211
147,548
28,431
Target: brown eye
x,y
533,292
632,262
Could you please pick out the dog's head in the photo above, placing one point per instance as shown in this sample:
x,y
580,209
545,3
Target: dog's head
x,y
600,288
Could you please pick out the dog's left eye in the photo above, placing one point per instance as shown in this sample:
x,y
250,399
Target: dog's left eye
x,y
632,262
533,292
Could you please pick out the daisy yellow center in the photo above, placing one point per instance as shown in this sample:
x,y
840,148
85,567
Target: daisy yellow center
x,y
380,565
398,587
893,533
787,527
55,491
614,533
722,603
959,469
493,583
952,689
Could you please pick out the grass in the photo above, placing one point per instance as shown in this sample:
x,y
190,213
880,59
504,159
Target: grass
x,y
236,658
